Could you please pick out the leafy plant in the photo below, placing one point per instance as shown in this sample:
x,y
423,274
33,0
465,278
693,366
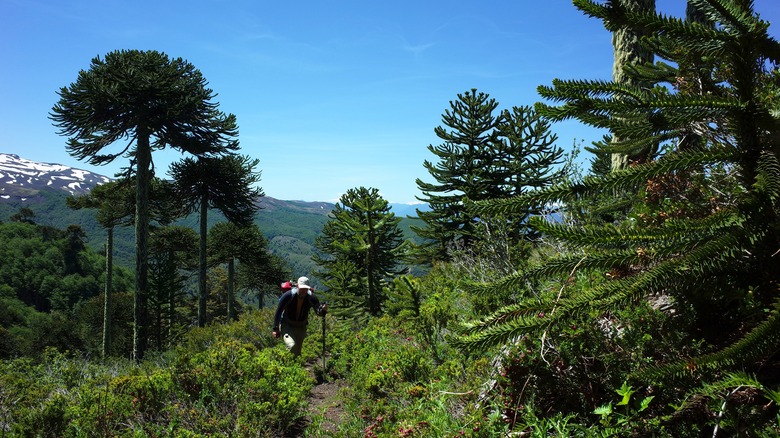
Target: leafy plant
x,y
625,416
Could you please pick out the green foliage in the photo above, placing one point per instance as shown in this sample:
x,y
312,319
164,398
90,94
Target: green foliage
x,y
429,304
361,247
171,261
387,365
41,302
263,388
395,388
253,327
232,243
700,236
50,210
484,156
626,412
110,99
88,321
740,401
227,388
663,305
555,424
467,135
289,226
226,183
151,102
113,200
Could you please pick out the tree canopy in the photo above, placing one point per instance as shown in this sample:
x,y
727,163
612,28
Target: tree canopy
x,y
146,101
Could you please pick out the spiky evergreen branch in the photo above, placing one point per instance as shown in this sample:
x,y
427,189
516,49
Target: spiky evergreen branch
x,y
730,381
719,271
533,314
749,348
530,307
622,180
611,236
768,177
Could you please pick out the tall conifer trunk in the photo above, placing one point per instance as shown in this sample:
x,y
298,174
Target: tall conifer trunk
x,y
109,286
204,205
143,158
628,50
230,291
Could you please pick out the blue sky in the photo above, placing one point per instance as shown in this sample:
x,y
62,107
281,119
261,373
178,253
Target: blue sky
x,y
329,95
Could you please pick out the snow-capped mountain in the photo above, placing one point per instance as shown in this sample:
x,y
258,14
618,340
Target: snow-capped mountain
x,y
20,177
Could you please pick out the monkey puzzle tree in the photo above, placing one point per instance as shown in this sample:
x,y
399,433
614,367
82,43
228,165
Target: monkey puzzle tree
x,y
231,242
362,245
703,232
629,50
114,207
468,133
145,101
484,156
227,184
523,158
172,260
261,279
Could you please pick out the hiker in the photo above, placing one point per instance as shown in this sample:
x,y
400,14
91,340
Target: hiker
x,y
292,315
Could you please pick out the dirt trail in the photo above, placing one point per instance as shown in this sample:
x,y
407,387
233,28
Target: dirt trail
x,y
325,400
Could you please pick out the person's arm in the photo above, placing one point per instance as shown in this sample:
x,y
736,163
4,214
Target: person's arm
x,y
279,309
319,309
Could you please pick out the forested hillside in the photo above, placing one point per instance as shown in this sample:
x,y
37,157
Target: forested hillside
x,y
290,226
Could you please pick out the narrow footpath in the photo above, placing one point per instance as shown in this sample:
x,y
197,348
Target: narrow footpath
x,y
324,401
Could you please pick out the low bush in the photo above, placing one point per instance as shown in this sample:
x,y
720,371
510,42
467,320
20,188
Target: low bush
x,y
396,389
224,387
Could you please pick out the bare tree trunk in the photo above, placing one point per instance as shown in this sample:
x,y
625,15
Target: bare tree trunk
x,y
171,307
230,292
628,51
202,293
109,286
143,157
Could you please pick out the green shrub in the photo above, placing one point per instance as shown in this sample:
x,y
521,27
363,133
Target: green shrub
x,y
228,388
267,386
395,387
253,327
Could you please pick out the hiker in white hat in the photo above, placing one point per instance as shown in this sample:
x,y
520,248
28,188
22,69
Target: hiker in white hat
x,y
292,314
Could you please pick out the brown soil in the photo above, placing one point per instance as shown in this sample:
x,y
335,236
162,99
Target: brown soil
x,y
324,400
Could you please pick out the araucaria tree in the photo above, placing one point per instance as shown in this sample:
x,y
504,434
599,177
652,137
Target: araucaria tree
x,y
484,156
361,246
245,244
701,238
172,261
228,184
115,206
145,101
468,133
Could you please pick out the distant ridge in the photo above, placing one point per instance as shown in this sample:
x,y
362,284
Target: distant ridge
x,y
22,179
291,227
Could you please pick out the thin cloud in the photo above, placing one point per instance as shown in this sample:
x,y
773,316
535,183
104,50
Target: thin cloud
x,y
417,49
